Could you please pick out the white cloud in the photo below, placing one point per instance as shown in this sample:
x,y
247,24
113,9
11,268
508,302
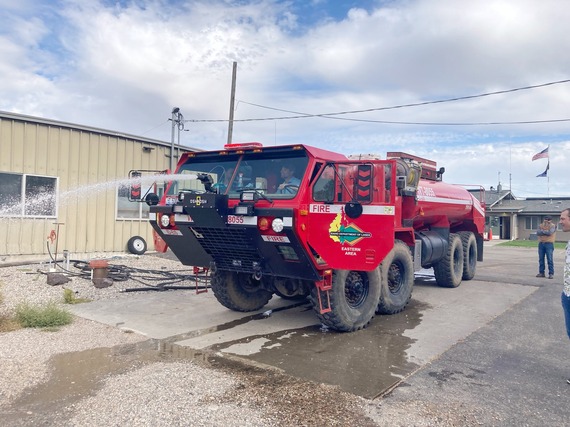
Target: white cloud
x,y
124,66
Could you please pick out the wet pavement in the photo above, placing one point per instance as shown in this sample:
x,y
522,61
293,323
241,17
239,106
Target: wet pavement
x,y
287,336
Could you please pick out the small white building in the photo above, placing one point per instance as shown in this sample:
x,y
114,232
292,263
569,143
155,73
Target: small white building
x,y
63,187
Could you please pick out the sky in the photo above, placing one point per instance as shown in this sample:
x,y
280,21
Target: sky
x,y
124,65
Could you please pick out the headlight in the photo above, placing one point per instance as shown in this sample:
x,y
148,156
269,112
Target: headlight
x,y
277,225
164,221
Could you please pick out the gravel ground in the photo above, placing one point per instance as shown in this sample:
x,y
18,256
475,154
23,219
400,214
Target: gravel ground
x,y
42,380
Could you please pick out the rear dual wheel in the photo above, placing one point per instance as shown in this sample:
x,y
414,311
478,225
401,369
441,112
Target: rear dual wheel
x,y
469,254
449,270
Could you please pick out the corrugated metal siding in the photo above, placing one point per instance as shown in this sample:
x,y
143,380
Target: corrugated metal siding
x,y
87,166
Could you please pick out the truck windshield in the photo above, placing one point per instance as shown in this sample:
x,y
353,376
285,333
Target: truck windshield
x,y
277,174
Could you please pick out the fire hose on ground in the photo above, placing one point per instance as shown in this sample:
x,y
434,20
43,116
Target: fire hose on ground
x,y
152,280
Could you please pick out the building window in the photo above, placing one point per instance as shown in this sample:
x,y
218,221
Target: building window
x,y
24,195
531,222
130,210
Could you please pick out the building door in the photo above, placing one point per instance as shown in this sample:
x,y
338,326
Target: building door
x,y
505,226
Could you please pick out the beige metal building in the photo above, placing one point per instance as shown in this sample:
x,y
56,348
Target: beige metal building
x,y
71,180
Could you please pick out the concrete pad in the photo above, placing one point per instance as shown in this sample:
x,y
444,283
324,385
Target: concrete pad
x,y
286,320
453,314
290,337
161,315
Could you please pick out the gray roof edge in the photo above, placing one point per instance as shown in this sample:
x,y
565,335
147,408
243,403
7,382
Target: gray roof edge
x,y
51,122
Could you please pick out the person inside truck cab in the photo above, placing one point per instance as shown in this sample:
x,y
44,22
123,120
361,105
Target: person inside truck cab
x,y
290,183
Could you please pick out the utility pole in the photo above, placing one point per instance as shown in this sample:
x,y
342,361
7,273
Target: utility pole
x,y
232,101
174,119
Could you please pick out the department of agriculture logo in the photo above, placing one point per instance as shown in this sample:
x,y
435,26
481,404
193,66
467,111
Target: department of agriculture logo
x,y
341,232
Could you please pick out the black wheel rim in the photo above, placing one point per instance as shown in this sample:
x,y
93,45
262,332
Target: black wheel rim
x,y
395,277
356,289
248,284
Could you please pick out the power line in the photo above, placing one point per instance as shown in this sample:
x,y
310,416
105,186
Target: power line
x,y
301,115
156,127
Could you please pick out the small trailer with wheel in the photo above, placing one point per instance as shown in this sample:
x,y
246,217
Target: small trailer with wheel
x,y
348,233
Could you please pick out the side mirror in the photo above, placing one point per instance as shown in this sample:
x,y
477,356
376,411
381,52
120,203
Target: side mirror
x,y
151,199
353,209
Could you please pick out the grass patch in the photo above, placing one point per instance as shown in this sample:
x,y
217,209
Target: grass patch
x,y
70,298
45,316
529,244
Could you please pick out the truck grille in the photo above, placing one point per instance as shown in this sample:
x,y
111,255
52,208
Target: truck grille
x,y
231,249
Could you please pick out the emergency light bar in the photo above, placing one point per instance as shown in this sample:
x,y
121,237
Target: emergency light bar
x,y
243,145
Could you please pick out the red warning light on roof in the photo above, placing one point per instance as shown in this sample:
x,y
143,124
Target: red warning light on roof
x,y
243,145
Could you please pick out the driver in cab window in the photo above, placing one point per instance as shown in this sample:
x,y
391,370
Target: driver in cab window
x,y
290,183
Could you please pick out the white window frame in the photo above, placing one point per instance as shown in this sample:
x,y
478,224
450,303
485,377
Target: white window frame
x,y
22,213
532,219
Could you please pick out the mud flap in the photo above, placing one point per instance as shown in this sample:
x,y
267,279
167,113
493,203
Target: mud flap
x,y
323,288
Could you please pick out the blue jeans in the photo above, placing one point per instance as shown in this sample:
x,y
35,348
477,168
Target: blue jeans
x,y
566,308
545,249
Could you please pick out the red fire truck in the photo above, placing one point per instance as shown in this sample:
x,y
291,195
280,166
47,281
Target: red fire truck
x,y
297,221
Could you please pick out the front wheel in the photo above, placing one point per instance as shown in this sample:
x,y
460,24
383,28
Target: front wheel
x,y
239,291
353,299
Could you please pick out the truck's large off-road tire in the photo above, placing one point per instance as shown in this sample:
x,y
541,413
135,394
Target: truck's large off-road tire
x,y
449,270
469,254
238,291
397,272
353,299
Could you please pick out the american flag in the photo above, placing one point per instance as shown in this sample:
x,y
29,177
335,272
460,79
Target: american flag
x,y
542,155
545,173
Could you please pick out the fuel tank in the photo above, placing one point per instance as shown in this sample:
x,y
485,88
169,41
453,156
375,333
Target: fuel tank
x,y
437,203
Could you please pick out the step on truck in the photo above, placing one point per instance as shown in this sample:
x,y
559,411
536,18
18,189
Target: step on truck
x,y
300,222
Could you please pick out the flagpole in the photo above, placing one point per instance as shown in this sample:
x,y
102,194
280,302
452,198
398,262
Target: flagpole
x,y
547,174
510,167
